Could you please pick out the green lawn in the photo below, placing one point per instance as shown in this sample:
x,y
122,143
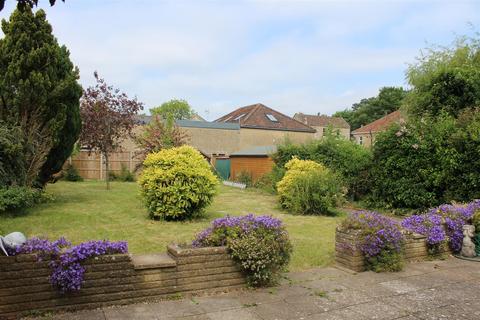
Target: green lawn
x,y
85,210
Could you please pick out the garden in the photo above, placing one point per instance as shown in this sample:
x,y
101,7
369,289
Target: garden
x,y
422,174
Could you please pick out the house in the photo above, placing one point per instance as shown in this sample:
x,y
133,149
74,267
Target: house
x,y
365,135
322,123
255,161
264,126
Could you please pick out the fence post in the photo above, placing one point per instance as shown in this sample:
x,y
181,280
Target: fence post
x,y
130,161
101,166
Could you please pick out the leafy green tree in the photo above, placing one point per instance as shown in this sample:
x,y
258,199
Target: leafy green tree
x,y
389,99
39,93
172,110
22,4
445,79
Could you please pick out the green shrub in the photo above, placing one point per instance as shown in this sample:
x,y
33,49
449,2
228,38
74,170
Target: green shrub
x,y
344,157
268,182
414,164
260,244
124,175
177,183
244,177
71,174
310,188
14,199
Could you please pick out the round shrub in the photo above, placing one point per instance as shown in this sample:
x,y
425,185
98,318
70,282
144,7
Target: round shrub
x,y
260,244
177,183
15,198
309,187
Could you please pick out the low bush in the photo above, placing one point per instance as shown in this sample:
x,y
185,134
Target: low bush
x,y
310,188
260,244
177,183
71,174
244,177
268,182
381,240
14,199
125,175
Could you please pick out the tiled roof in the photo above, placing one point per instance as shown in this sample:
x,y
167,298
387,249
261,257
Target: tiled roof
x,y
259,116
321,120
381,124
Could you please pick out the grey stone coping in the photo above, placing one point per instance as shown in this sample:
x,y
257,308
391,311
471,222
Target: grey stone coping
x,y
177,251
153,261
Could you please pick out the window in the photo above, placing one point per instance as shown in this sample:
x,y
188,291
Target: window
x,y
271,117
360,140
324,130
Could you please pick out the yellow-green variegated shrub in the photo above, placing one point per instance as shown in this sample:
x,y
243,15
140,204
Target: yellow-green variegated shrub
x,y
177,183
309,187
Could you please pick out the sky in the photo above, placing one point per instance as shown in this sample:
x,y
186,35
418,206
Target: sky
x,y
292,55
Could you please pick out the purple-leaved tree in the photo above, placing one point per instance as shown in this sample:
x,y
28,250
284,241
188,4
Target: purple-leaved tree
x,y
108,117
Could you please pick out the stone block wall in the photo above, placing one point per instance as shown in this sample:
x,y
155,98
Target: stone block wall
x,y
348,255
116,279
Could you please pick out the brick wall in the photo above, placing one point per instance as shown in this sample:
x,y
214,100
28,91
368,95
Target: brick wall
x,y
347,255
116,279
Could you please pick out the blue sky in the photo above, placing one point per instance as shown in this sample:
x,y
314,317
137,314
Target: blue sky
x,y
308,56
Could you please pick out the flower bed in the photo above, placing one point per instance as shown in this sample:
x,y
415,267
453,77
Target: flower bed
x,y
259,244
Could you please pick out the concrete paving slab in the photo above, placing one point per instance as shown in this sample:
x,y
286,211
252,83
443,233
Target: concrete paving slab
x,y
378,310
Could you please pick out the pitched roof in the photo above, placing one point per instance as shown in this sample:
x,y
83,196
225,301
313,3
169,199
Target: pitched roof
x,y
321,120
381,124
260,151
259,116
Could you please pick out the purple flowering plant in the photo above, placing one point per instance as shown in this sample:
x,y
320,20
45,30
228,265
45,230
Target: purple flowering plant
x,y
443,224
381,239
65,260
260,244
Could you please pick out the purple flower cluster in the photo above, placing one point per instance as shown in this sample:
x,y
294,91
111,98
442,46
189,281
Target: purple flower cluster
x,y
379,233
443,223
429,225
67,272
42,247
222,227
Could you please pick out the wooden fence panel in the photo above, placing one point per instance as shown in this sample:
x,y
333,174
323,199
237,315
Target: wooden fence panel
x,y
92,166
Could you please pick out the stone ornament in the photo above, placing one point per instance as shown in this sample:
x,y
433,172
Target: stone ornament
x,y
11,241
468,247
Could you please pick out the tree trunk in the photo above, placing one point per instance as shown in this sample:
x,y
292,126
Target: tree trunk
x,y
107,178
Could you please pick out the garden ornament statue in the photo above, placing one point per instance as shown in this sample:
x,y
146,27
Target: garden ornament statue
x,y
11,241
468,247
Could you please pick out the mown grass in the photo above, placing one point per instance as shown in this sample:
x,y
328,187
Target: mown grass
x,y
85,210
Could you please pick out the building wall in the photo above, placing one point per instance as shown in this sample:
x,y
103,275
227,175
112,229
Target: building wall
x,y
258,137
344,132
213,141
364,139
256,166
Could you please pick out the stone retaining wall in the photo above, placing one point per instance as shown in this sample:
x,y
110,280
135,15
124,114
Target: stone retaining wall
x,y
348,255
116,279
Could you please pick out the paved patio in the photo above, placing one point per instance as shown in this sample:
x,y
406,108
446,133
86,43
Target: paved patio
x,y
448,289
